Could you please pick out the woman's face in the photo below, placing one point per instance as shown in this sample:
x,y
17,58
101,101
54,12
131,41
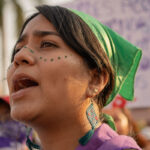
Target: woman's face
x,y
46,79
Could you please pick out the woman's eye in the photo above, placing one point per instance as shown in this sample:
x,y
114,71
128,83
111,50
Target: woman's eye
x,y
47,44
16,50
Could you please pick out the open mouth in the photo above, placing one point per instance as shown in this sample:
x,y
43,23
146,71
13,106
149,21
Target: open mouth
x,y
23,83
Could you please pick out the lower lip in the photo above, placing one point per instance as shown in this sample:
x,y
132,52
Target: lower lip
x,y
21,93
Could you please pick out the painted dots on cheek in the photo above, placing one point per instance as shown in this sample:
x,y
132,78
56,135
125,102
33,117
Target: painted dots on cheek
x,y
52,59
31,50
59,57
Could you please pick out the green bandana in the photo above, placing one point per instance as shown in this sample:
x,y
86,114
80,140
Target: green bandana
x,y
123,55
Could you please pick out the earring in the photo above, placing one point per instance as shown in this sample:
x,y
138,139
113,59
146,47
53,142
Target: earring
x,y
29,143
91,115
93,119
95,90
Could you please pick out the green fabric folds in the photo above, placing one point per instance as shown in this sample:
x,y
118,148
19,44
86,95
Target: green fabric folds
x,y
110,121
124,56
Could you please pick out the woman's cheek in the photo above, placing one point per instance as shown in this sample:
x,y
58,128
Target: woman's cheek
x,y
10,71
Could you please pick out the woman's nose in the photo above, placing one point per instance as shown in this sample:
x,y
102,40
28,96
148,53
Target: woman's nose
x,y
24,57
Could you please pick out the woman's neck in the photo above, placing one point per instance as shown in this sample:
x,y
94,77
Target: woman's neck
x,y
62,136
65,133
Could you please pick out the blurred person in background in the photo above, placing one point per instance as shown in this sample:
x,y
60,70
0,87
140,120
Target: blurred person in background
x,y
12,133
146,133
126,125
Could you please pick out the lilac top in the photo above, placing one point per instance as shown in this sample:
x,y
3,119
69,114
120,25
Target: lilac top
x,y
105,138
12,133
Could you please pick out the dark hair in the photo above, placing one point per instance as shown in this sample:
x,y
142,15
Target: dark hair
x,y
77,34
6,113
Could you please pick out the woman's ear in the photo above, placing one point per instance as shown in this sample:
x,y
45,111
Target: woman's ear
x,y
97,82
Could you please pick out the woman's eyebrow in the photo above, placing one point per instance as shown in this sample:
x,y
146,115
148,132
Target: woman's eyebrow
x,y
39,34
21,38
44,33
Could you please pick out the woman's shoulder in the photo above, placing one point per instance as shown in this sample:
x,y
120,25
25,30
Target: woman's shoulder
x,y
113,141
120,142
106,138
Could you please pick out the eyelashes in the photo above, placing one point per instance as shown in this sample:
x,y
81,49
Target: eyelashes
x,y
43,44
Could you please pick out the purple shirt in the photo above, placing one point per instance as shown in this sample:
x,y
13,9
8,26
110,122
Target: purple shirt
x,y
12,133
105,138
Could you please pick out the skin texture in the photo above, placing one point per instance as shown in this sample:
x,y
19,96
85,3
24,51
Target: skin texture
x,y
56,108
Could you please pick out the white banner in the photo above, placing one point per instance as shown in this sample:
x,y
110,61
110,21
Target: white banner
x,y
131,19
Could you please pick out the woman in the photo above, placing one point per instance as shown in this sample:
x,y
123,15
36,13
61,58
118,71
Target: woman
x,y
60,78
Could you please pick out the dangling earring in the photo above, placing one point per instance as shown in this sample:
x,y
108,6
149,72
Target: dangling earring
x,y
91,115
93,119
29,143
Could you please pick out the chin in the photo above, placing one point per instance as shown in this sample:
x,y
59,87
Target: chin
x,y
22,115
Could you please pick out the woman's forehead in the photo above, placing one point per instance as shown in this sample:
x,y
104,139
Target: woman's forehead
x,y
38,23
39,26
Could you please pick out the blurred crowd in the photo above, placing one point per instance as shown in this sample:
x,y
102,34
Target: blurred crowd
x,y
13,134
126,125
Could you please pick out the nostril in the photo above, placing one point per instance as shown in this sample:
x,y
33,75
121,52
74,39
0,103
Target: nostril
x,y
21,58
16,63
25,61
